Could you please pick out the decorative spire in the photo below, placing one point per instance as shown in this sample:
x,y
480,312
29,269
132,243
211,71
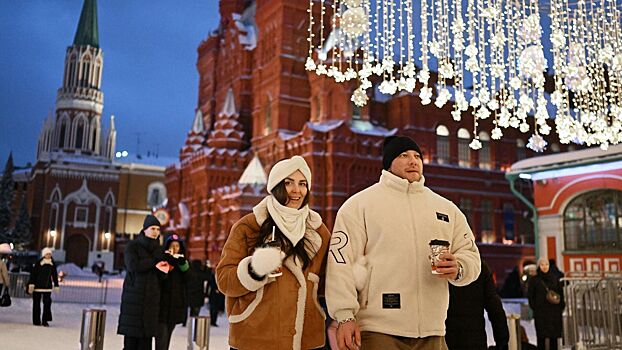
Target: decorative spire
x,y
198,126
227,131
254,173
228,110
111,140
87,33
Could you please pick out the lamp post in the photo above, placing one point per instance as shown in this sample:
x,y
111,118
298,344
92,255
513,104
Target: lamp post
x,y
52,234
107,238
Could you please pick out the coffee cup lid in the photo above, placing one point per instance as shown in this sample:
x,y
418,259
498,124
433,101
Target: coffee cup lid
x,y
439,242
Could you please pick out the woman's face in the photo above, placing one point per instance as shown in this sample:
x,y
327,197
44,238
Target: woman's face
x,y
174,247
296,187
544,265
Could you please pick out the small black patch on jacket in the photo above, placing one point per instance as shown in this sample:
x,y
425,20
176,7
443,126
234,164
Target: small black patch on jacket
x,y
442,217
391,301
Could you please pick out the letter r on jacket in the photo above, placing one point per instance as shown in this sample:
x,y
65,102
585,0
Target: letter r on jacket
x,y
338,240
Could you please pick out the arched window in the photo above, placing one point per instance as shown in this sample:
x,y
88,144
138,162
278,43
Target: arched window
x,y
356,111
80,134
592,221
442,144
464,153
268,117
156,194
62,134
520,149
484,152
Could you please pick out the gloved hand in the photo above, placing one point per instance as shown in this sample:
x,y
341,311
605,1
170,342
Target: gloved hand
x,y
266,260
56,289
181,260
170,259
31,288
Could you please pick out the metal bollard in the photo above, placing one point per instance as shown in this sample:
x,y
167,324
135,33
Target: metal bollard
x,y
198,333
92,329
514,328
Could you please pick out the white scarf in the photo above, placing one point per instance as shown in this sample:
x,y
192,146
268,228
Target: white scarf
x,y
292,222
45,261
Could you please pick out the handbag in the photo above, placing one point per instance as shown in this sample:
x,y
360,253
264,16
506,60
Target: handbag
x,y
5,299
551,296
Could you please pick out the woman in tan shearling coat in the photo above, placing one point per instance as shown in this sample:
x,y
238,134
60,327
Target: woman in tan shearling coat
x,y
267,310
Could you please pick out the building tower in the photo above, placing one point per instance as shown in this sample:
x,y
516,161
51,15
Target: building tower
x,y
79,101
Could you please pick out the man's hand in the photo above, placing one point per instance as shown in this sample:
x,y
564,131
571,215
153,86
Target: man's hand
x,y
447,266
348,336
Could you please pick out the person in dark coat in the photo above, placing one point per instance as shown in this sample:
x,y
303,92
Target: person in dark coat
x,y
43,278
465,323
145,267
196,290
173,291
547,316
216,298
512,286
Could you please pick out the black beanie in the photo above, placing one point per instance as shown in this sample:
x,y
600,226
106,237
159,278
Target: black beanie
x,y
151,220
394,146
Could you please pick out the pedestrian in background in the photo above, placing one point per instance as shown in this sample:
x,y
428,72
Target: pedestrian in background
x,y
216,298
465,323
140,300
547,312
271,266
43,279
5,283
195,287
173,291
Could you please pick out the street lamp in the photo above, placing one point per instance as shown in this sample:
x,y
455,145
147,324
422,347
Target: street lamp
x,y
53,235
107,237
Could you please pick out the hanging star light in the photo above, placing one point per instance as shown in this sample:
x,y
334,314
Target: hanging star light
x,y
489,57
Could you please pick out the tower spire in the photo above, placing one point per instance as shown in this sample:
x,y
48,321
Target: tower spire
x,y
87,32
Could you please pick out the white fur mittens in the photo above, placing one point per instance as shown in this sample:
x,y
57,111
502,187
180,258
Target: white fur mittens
x,y
266,260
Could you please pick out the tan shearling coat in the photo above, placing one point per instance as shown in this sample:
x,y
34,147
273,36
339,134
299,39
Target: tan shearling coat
x,y
275,313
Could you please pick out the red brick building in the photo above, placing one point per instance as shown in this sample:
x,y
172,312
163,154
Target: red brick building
x,y
578,200
256,100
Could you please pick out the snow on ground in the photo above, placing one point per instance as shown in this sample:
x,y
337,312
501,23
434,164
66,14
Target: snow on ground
x,y
18,333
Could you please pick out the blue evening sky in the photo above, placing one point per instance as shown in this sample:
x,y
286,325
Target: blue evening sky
x,y
150,81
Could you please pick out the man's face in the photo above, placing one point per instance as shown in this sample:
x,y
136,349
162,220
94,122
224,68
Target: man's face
x,y
152,232
408,165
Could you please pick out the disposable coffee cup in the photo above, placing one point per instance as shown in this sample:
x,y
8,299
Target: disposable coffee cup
x,y
274,244
437,247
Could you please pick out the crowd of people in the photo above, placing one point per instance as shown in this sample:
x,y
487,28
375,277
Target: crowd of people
x,y
400,270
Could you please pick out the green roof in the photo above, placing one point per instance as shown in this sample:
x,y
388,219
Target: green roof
x,y
87,33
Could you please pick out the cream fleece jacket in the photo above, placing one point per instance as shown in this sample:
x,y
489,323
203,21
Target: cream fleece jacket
x,y
391,223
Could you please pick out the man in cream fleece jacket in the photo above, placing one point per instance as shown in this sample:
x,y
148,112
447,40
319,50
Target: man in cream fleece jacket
x,y
379,285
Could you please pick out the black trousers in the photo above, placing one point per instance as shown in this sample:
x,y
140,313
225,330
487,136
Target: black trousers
x,y
163,337
547,343
36,307
213,315
136,343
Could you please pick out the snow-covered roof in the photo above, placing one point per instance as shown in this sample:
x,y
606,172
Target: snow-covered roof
x,y
247,27
365,127
150,160
254,173
567,160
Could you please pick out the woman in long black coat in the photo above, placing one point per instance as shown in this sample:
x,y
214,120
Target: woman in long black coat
x,y
43,278
465,323
173,291
140,301
548,316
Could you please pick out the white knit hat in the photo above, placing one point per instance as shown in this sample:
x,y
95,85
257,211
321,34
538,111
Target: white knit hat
x,y
45,251
286,167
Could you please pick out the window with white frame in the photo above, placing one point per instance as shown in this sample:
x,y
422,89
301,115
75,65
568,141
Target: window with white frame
x,y
442,144
464,152
81,217
156,194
